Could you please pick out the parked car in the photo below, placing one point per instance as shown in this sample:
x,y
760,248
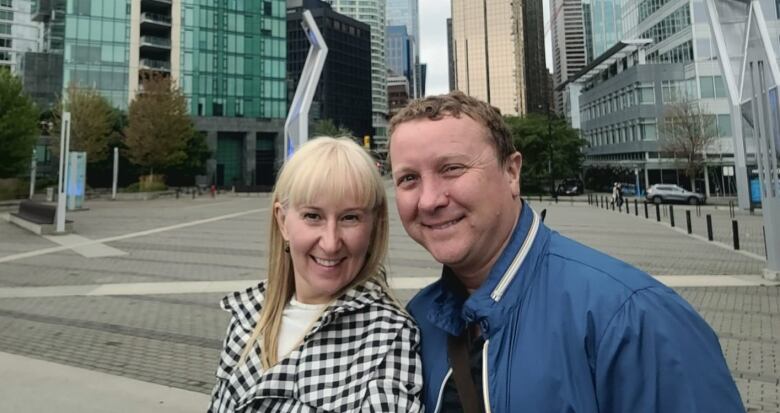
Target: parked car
x,y
570,186
660,193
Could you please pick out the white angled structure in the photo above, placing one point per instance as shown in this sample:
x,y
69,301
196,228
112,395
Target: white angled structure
x,y
296,128
754,86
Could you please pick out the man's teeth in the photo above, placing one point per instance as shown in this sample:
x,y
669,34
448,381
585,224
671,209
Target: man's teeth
x,y
327,263
446,224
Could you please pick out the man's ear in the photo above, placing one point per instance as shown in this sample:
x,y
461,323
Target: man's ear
x,y
512,168
280,215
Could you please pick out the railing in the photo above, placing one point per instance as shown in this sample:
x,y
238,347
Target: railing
x,y
156,41
155,18
155,64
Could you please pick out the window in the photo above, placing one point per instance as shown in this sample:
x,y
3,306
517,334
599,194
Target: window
x,y
707,87
6,3
646,95
647,130
6,15
723,125
5,42
5,28
82,7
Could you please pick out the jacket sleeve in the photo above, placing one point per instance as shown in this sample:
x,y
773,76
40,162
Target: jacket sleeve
x,y
658,355
397,384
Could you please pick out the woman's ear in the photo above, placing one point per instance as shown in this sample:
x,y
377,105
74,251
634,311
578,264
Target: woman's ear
x,y
280,215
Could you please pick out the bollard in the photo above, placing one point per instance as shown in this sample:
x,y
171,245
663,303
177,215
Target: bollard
x,y
193,194
735,231
636,208
646,215
627,208
698,210
657,213
688,220
709,227
731,209
543,215
671,215
613,206
766,252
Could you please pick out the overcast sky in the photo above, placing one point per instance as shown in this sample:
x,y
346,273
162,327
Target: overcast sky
x,y
433,43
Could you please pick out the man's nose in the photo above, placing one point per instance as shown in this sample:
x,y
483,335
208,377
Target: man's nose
x,y
432,197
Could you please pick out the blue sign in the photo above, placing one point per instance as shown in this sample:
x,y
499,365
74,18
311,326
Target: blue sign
x,y
77,179
755,191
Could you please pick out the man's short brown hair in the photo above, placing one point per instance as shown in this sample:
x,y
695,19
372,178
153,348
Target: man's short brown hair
x,y
455,104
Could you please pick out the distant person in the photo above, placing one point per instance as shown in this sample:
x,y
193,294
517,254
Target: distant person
x,y
615,194
322,332
524,319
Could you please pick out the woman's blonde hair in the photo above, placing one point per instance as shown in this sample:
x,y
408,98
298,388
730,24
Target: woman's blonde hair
x,y
336,168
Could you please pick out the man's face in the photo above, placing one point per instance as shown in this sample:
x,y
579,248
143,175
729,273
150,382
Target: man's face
x,y
453,196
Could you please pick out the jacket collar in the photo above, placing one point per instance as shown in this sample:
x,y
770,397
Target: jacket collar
x,y
505,286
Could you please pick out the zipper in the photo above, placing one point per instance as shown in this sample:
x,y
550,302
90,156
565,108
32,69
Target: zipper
x,y
511,272
485,390
441,390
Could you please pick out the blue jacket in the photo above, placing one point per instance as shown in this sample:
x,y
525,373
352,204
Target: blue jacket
x,y
569,329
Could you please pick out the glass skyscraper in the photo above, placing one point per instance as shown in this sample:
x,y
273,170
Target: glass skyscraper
x,y
229,58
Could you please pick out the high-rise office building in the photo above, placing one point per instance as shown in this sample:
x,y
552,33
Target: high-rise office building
x,y
400,59
406,13
343,93
499,53
229,58
18,32
372,12
450,56
568,44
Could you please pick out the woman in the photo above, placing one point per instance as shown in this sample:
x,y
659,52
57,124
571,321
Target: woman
x,y
322,332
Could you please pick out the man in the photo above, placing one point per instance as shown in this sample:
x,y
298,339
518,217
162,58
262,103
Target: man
x,y
549,324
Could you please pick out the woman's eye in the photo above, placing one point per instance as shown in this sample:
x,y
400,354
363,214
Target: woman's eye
x,y
351,218
310,216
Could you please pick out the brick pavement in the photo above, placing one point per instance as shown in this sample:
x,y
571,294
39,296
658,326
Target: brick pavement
x,y
174,339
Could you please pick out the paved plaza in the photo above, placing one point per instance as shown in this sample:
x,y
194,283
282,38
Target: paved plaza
x,y
132,297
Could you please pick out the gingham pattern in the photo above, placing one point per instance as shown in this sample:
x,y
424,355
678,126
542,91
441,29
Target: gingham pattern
x,y
360,356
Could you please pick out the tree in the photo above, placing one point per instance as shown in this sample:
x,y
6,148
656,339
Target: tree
x,y
159,127
686,132
532,138
91,121
326,127
18,126
198,152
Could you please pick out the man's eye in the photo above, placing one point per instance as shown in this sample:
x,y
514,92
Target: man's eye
x,y
452,168
406,178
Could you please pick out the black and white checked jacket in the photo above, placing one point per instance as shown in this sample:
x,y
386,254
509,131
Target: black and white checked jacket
x,y
361,355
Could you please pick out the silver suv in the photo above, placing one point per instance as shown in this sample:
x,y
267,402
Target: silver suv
x,y
660,193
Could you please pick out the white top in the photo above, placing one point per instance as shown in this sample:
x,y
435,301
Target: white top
x,y
297,320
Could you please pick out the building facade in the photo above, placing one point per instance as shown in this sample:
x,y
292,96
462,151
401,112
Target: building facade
x,y
372,12
19,33
398,93
229,58
450,56
672,33
406,13
343,93
568,44
400,60
498,50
